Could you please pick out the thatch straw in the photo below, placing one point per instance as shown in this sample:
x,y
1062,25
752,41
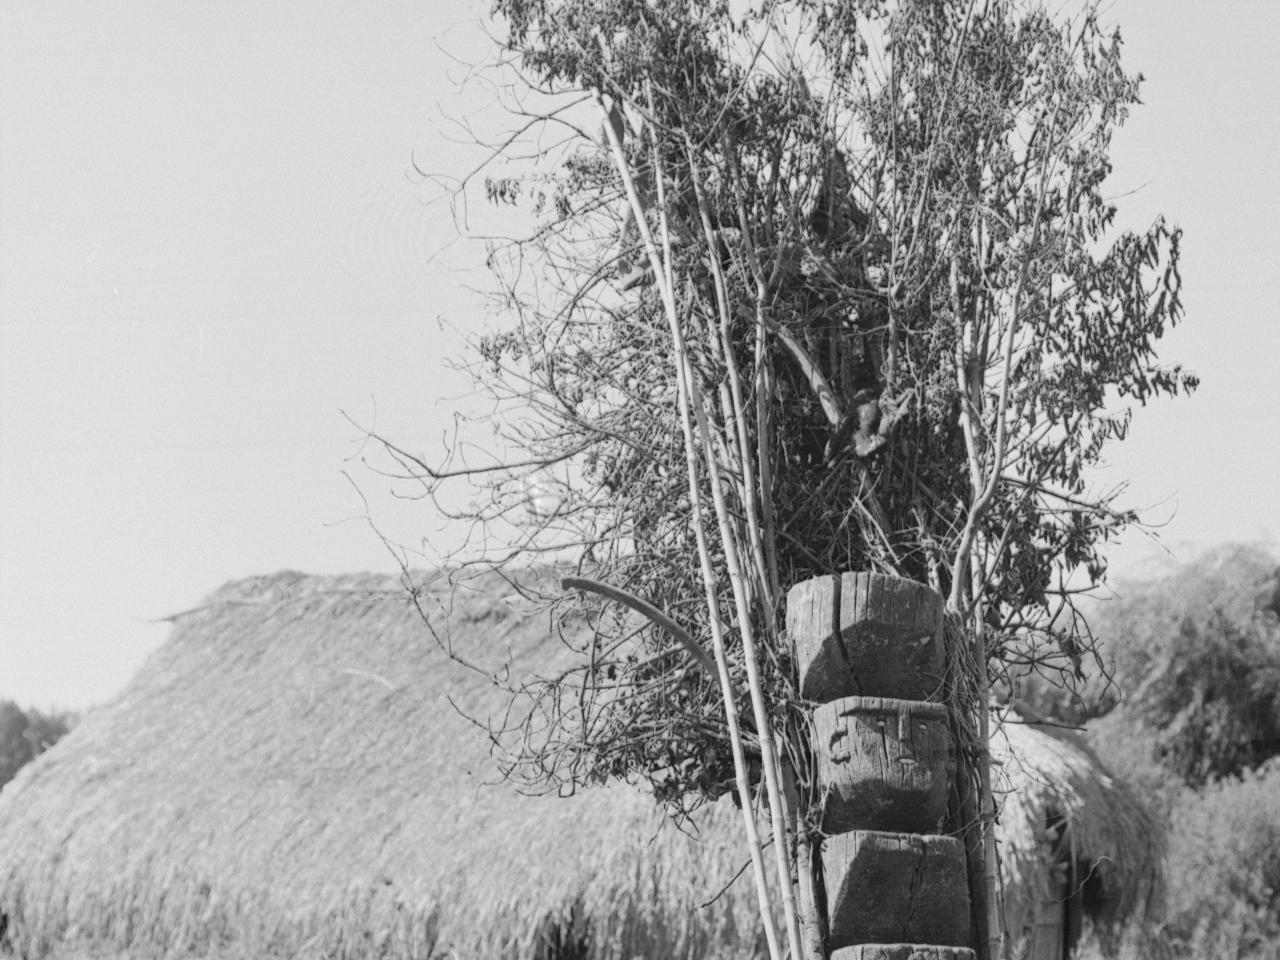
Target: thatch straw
x,y
1060,806
287,776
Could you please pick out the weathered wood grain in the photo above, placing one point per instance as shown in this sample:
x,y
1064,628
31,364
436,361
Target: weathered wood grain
x,y
884,764
902,951
895,888
866,634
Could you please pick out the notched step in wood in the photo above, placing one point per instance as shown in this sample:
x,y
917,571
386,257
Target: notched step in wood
x,y
902,951
895,888
866,635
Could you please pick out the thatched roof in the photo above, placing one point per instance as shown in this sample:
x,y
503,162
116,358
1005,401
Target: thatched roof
x,y
1060,807
289,775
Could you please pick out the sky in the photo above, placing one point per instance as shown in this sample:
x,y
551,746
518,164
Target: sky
x,y
215,254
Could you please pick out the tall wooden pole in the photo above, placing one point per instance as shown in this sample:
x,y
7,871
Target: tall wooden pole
x,y
870,655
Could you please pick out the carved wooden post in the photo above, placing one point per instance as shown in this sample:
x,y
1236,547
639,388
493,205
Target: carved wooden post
x,y
870,653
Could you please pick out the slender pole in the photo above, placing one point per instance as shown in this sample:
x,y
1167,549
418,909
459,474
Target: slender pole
x,y
684,398
732,550
749,655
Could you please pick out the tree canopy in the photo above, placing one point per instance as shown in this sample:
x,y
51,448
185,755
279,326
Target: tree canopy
x,y
1195,657
910,327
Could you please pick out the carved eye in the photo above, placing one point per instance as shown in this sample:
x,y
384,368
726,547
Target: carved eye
x,y
838,753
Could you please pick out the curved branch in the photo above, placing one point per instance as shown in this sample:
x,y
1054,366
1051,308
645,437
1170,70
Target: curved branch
x,y
649,611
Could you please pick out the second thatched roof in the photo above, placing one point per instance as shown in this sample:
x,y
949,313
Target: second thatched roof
x,y
1070,829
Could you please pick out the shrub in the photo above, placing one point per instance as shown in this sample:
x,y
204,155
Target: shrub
x,y
1224,869
1195,667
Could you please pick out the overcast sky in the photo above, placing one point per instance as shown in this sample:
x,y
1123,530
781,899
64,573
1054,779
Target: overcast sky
x,y
212,243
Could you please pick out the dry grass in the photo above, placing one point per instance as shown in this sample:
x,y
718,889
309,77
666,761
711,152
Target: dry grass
x,y
287,777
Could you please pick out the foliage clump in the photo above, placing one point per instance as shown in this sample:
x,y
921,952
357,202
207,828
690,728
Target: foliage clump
x,y
849,268
1190,713
25,734
1194,666
1224,869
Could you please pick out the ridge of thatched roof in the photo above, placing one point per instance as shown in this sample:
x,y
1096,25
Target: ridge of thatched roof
x,y
289,775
